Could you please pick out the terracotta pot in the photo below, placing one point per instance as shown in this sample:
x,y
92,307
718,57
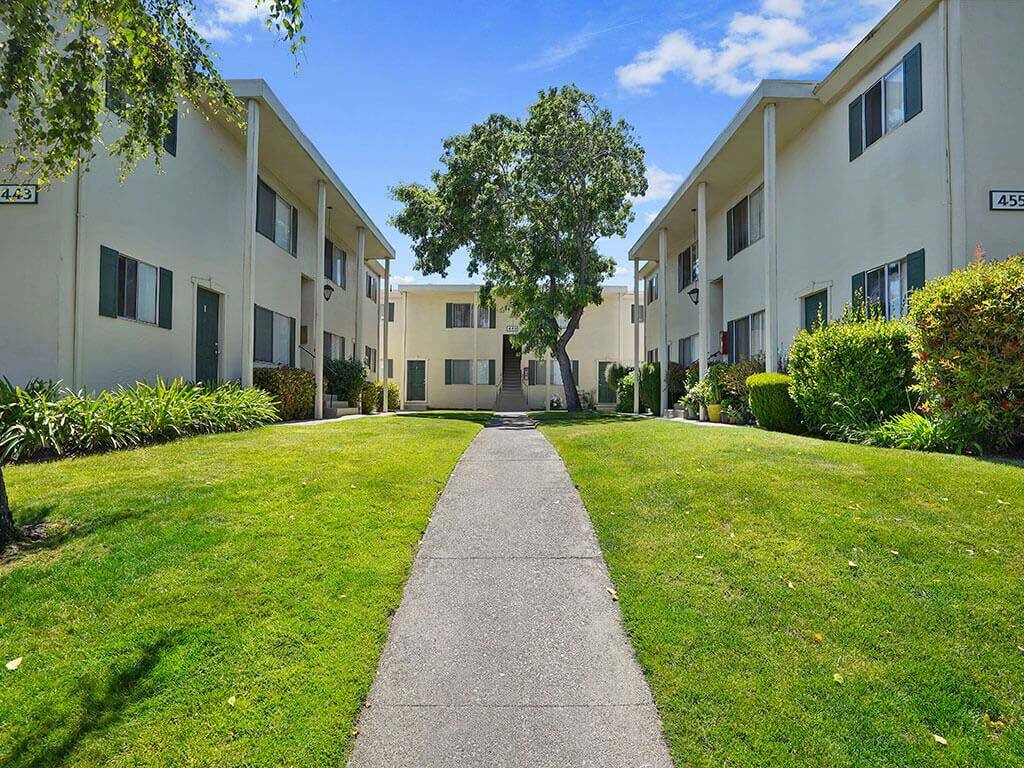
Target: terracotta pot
x,y
715,413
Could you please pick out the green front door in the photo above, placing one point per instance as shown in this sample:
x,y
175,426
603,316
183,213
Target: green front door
x,y
605,393
207,335
416,380
816,310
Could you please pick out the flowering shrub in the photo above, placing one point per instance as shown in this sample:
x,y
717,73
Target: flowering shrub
x,y
967,339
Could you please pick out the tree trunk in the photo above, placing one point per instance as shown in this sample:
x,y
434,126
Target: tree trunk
x,y
8,532
572,398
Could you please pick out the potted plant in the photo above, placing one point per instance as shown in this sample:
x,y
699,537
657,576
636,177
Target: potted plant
x,y
714,393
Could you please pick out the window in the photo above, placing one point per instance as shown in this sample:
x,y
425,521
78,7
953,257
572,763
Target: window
x,y
688,351
686,268
371,287
276,219
652,355
458,315
485,372
744,222
486,318
556,372
391,311
334,346
391,368
273,337
633,310
370,359
171,137
458,371
885,288
335,263
815,310
134,290
537,373
651,289
746,337
887,104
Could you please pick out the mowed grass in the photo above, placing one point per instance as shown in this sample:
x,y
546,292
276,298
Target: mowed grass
x,y
796,602
217,601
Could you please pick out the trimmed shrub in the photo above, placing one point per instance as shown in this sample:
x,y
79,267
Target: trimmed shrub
x,y
917,432
676,382
46,420
850,375
344,379
967,339
293,388
650,387
624,393
733,379
771,403
373,397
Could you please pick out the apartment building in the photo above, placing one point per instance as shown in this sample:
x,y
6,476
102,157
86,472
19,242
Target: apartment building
x,y
246,251
452,353
861,186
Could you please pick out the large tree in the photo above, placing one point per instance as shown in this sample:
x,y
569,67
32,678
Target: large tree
x,y
63,62
529,199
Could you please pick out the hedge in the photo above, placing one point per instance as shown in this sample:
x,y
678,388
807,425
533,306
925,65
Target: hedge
x,y
293,388
344,379
967,339
373,396
771,403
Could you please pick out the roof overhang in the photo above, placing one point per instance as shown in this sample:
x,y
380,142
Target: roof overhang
x,y
290,155
736,156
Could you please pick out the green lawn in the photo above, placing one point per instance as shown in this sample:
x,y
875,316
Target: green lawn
x,y
218,601
796,602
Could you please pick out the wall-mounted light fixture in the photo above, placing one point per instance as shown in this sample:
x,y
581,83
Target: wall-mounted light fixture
x,y
694,294
328,291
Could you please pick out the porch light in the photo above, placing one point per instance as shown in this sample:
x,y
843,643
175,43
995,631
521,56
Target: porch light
x,y
328,291
694,294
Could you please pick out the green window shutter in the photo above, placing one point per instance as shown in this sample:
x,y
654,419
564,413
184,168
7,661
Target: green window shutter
x,y
166,293
108,281
730,246
857,290
448,370
913,101
448,315
295,231
490,372
291,341
915,270
856,128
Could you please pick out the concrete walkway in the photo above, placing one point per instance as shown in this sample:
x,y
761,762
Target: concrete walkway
x,y
507,649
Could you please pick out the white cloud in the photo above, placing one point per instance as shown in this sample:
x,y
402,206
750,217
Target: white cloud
x,y
778,41
660,184
571,46
215,18
621,271
403,279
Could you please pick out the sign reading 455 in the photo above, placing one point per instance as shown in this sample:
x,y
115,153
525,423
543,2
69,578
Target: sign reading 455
x,y
11,194
1005,200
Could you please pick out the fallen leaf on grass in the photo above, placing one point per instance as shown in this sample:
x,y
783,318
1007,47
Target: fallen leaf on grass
x,y
894,553
852,564
791,585
818,637
700,557
231,701
939,739
994,724
13,664
613,593
838,678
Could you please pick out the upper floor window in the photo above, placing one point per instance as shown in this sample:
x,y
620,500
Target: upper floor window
x,y
276,218
486,318
887,104
391,311
634,310
686,268
651,290
335,263
371,287
744,222
458,315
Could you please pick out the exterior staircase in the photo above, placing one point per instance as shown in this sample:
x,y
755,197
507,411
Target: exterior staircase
x,y
511,397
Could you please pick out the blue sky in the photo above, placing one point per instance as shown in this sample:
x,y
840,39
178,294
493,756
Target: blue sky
x,y
380,85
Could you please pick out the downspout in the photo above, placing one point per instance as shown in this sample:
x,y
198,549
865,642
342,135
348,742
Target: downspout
x,y
949,161
76,282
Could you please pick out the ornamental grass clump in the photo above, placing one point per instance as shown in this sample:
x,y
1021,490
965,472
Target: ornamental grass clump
x,y
967,340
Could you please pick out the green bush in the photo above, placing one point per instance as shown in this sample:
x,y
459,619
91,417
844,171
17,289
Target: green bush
x,y
650,390
733,378
852,374
344,379
771,403
676,382
373,397
614,374
293,388
624,393
46,420
967,339
917,432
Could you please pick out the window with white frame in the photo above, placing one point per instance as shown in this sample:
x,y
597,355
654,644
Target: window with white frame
x,y
371,287
635,309
136,290
458,315
651,290
334,346
746,337
370,359
335,264
273,337
890,102
276,218
686,268
688,350
556,372
652,355
536,372
744,222
458,371
487,318
485,372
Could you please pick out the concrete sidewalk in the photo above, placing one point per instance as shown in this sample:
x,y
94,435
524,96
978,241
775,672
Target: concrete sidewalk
x,y
507,649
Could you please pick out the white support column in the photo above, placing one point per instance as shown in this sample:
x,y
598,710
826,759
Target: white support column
x,y
663,308
771,246
384,333
318,301
252,151
636,336
704,292
358,352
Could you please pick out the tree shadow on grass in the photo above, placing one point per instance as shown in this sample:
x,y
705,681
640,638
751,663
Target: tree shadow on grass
x,y
475,417
103,706
565,419
41,532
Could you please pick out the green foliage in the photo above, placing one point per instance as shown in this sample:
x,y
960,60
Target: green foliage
x,y
771,403
676,382
650,387
918,432
698,395
528,199
293,388
44,420
851,374
967,339
60,61
587,401
715,387
373,397
733,377
344,378
624,393
615,372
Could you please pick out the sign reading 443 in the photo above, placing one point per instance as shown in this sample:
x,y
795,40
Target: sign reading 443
x,y
13,194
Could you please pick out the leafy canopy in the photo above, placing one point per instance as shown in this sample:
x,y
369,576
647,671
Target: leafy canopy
x,y
61,60
528,199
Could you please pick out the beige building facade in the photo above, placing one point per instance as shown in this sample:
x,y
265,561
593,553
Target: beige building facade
x,y
452,353
886,173
218,264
